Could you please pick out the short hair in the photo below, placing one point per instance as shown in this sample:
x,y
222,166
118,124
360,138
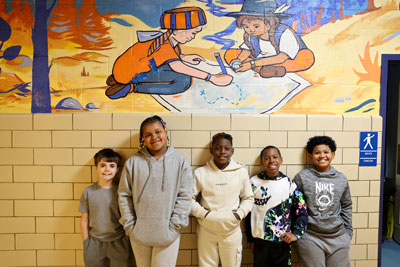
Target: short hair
x,y
109,155
222,135
270,147
320,140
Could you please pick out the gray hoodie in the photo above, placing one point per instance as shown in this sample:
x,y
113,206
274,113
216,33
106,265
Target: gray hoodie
x,y
328,201
155,197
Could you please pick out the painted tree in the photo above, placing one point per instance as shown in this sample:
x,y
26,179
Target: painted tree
x,y
62,20
41,101
3,10
91,33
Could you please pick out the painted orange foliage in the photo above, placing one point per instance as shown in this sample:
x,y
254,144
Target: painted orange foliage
x,y
373,70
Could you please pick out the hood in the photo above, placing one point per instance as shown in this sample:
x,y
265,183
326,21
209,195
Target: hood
x,y
331,173
232,166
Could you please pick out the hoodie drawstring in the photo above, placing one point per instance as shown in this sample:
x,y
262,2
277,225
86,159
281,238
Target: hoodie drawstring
x,y
163,175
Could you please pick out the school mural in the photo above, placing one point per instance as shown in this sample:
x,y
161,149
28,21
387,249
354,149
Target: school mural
x,y
224,56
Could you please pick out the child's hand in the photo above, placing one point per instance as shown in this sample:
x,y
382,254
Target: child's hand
x,y
288,237
192,59
126,233
221,79
244,67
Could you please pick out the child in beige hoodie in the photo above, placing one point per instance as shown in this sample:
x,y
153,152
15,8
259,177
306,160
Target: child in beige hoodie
x,y
222,197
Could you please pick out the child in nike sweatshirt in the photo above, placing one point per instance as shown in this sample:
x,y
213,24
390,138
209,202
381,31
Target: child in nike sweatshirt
x,y
326,241
155,197
222,197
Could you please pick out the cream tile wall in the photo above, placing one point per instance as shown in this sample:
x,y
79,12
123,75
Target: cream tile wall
x,y
46,162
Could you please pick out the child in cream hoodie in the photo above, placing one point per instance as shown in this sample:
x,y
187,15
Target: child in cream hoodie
x,y
222,197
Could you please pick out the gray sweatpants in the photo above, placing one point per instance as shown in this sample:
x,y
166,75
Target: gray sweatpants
x,y
118,252
321,251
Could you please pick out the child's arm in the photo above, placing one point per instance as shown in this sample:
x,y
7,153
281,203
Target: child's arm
x,y
85,225
246,196
346,210
217,79
192,59
183,203
197,209
125,200
273,60
299,217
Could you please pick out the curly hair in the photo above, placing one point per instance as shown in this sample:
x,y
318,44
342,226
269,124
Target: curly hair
x,y
320,140
222,135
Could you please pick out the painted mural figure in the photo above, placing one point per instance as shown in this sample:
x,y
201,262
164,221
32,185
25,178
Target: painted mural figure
x,y
270,48
154,65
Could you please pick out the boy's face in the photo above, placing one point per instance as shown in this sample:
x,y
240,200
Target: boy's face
x,y
322,157
271,161
155,137
106,170
255,27
184,36
222,151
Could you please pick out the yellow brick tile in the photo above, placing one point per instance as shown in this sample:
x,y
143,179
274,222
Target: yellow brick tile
x,y
135,139
111,139
338,157
254,170
195,257
84,156
79,258
15,122
128,121
366,263
16,191
69,241
33,208
372,251
325,122
240,138
190,139
358,252
126,153
262,139
367,236
92,121
300,139
184,257
355,204
52,121
292,170
368,204
6,208
5,138
288,122
294,156
53,191
32,174
377,122
53,156
178,121
6,242
373,220
200,156
369,173
188,241
71,139
345,139
351,155
61,225
31,139
360,220
17,225
351,171
248,156
72,174
55,257
34,241
186,152
218,122
356,123
66,208
375,188
255,122
17,156
359,188
78,189
18,258
77,223
6,174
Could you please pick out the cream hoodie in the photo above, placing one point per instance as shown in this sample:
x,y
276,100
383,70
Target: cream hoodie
x,y
222,192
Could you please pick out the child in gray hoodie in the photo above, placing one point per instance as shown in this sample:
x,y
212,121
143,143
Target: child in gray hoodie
x,y
155,197
326,241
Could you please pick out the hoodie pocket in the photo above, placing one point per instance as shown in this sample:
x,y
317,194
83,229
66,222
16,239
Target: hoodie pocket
x,y
153,232
220,222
